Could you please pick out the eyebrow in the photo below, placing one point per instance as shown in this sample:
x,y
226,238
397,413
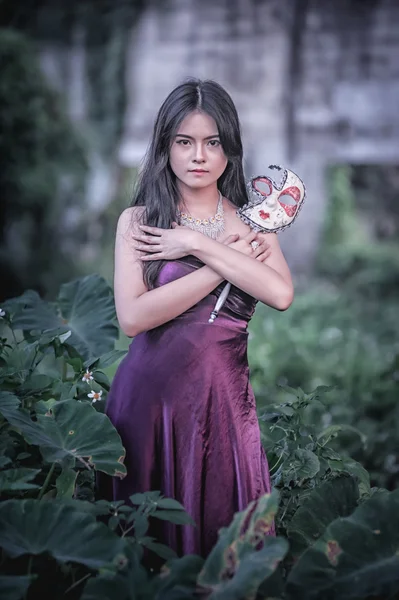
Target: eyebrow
x,y
215,135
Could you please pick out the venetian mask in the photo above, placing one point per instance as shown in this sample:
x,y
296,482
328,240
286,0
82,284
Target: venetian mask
x,y
273,207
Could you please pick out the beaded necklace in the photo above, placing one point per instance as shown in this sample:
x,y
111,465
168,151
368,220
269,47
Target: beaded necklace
x,y
212,227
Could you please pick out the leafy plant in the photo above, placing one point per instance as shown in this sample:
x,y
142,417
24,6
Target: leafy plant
x,y
299,453
57,538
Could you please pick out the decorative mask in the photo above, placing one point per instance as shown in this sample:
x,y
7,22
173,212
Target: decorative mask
x,y
266,210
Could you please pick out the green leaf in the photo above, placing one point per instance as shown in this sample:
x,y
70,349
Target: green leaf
x,y
5,460
36,382
170,503
356,557
140,525
131,582
69,535
252,570
65,483
160,549
330,500
14,587
9,404
106,360
245,554
354,468
88,306
70,429
102,379
334,430
304,464
180,572
174,516
146,497
17,479
87,310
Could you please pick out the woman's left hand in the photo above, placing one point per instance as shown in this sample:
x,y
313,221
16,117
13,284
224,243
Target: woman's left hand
x,y
165,244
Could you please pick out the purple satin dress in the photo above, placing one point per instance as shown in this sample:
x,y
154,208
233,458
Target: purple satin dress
x,y
185,410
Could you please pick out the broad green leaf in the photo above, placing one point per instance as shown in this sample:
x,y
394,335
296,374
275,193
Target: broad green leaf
x,y
178,517
357,470
13,587
356,557
87,304
5,460
179,573
160,549
130,583
330,500
71,429
141,497
9,404
18,479
86,308
170,503
303,464
102,379
106,360
65,483
67,534
252,569
334,430
246,553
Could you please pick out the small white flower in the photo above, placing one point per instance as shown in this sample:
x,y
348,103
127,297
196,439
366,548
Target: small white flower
x,y
95,396
2,313
88,376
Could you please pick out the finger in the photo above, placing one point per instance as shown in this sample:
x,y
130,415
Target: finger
x,y
261,249
152,230
148,247
264,255
231,238
148,239
251,236
157,256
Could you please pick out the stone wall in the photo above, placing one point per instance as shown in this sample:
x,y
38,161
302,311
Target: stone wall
x,y
314,82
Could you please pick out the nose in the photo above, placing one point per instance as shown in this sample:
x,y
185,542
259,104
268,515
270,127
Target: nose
x,y
199,156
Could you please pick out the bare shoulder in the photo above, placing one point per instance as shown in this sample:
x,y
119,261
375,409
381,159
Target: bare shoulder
x,y
129,219
233,222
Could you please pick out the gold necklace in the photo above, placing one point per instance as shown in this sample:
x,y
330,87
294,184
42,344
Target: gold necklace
x,y
212,227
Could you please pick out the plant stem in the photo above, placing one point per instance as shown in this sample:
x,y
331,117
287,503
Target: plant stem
x,y
77,582
46,481
28,573
64,369
275,465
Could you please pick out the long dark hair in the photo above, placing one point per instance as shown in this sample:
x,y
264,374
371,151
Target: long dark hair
x,y
156,187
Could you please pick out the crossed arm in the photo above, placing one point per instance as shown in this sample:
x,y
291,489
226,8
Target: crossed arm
x,y
139,309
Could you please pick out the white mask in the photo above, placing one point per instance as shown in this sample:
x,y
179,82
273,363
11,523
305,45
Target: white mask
x,y
266,211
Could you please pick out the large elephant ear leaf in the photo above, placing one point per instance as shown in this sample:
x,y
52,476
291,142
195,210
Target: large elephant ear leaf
x,y
85,307
72,430
67,534
356,557
330,500
13,587
245,554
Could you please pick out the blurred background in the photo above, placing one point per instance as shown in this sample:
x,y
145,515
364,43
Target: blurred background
x,y
316,85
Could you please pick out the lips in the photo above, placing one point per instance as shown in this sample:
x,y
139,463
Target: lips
x,y
198,171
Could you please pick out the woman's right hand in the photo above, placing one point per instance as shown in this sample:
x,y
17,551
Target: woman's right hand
x,y
243,245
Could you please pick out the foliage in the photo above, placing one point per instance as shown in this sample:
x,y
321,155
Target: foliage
x,y
57,539
44,165
332,338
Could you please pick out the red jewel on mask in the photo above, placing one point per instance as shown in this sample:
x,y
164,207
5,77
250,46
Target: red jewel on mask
x,y
264,215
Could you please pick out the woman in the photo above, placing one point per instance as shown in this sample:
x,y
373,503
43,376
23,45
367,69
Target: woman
x,y
181,399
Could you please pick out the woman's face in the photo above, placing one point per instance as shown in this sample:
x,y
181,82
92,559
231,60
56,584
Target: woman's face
x,y
196,154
